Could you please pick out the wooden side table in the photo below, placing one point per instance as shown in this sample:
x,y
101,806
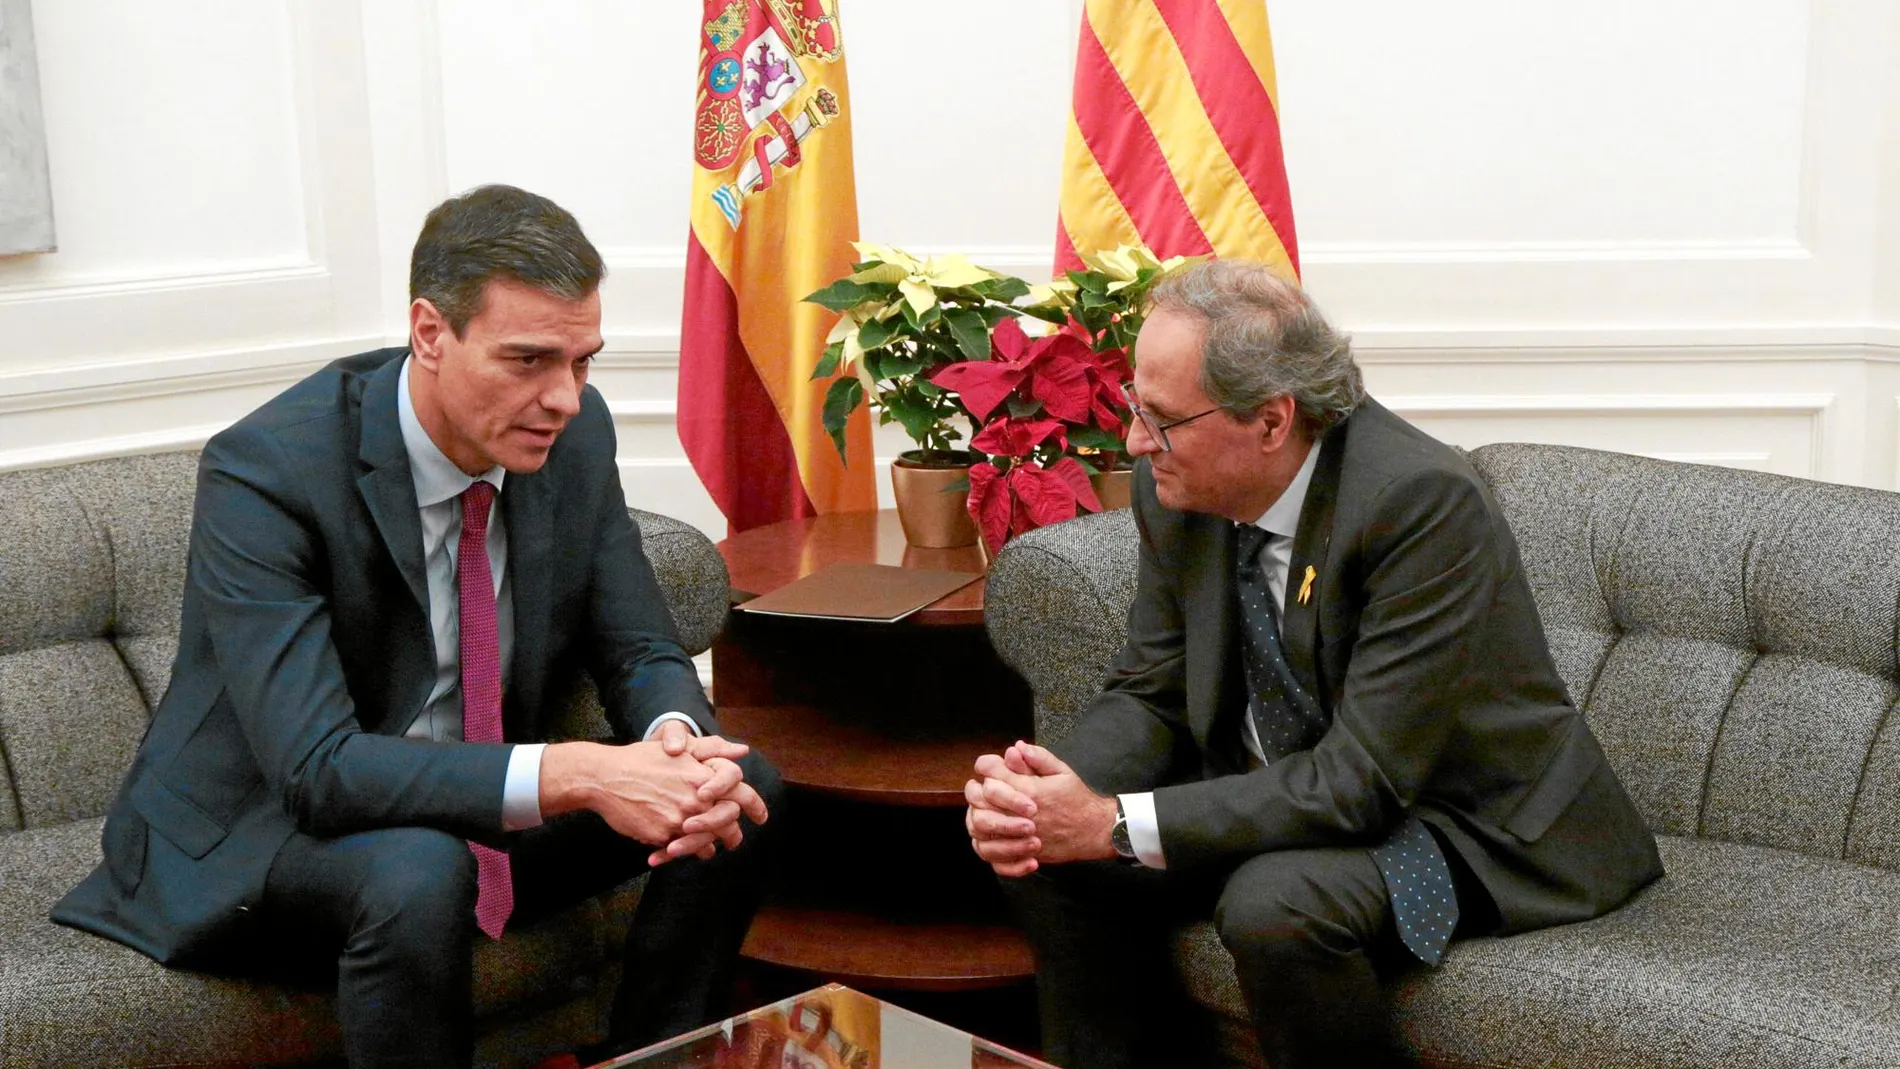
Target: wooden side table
x,y
875,728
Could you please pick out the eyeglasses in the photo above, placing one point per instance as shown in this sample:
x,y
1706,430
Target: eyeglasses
x,y
1157,429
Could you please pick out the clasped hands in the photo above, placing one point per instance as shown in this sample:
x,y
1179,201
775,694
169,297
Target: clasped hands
x,y
678,793
1028,808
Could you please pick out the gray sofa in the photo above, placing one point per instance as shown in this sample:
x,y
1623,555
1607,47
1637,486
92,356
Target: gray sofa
x,y
91,575
1731,638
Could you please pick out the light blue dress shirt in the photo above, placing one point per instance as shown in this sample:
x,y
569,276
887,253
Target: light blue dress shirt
x,y
1282,521
439,486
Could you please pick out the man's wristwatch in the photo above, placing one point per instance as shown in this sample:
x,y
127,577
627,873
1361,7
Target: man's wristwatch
x,y
1118,835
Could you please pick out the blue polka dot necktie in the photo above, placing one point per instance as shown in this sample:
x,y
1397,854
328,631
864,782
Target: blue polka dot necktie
x,y
1288,720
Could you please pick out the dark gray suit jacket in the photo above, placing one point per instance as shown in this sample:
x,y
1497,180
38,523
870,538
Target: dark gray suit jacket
x,y
1421,639
305,652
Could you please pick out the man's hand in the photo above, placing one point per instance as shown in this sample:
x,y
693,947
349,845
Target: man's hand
x,y
720,824
675,802
1029,808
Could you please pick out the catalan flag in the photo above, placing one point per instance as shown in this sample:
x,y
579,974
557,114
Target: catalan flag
x,y
1174,138
774,213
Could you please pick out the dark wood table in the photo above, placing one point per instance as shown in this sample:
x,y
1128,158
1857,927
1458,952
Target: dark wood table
x,y
875,728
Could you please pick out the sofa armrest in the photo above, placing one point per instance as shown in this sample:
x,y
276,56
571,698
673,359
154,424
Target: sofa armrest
x,y
692,575
1056,605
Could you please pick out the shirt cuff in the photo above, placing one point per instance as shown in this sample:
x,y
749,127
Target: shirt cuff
x,y
1144,829
654,728
521,791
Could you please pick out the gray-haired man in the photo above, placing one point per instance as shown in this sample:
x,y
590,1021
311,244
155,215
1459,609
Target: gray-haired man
x,y
1335,727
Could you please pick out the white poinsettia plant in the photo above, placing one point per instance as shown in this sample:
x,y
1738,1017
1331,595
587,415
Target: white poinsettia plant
x,y
902,318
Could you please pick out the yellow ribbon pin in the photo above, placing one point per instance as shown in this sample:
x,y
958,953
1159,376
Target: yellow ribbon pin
x,y
1306,585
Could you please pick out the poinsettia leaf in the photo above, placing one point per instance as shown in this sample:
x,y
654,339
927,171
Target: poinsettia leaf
x,y
1063,387
841,400
982,385
1047,314
1046,496
877,333
1023,407
914,413
994,314
1002,288
895,362
970,331
1089,281
1095,438
828,361
1008,340
990,505
1071,471
1018,438
844,294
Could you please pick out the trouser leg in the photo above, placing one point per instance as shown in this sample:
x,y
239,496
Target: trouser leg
x,y
1100,932
1304,928
679,958
396,908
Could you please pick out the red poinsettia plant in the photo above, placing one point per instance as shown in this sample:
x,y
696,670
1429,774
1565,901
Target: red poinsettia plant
x,y
1037,400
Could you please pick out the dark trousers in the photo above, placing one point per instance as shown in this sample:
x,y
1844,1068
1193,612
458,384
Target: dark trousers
x,y
392,911
1310,932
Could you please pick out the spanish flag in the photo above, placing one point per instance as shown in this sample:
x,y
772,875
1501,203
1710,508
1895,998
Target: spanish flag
x,y
1174,135
774,212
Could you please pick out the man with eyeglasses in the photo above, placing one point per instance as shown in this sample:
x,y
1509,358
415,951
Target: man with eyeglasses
x,y
1335,728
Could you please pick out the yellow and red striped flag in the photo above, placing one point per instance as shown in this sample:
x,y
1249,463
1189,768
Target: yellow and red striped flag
x,y
775,210
1174,138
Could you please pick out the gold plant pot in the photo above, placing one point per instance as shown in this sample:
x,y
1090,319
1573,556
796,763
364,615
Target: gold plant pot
x,y
934,515
1115,488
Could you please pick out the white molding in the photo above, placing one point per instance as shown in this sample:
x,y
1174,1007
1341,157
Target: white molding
x,y
1434,253
169,375
168,440
164,283
1731,404
644,410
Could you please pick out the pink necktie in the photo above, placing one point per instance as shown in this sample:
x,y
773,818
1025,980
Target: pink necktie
x,y
481,689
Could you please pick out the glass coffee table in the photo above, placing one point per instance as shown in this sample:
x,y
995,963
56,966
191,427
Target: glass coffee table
x,y
832,1027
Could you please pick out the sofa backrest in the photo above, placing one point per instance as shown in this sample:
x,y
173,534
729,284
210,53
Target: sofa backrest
x,y
1730,636
92,574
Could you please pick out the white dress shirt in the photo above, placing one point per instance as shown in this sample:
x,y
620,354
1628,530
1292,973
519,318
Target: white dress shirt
x,y
439,485
1282,523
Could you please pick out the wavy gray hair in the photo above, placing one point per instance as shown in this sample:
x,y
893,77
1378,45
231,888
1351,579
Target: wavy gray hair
x,y
1264,337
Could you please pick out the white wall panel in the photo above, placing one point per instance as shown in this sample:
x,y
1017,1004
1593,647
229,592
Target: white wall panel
x,y
172,132
1504,122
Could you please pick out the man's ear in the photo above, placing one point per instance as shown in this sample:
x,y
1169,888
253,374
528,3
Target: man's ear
x,y
1278,417
427,331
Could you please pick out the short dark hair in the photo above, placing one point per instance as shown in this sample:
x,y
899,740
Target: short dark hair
x,y
499,231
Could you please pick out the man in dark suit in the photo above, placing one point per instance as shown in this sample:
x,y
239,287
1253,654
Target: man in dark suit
x,y
395,567
1335,727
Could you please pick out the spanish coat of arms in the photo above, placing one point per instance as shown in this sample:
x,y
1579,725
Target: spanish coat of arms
x,y
756,58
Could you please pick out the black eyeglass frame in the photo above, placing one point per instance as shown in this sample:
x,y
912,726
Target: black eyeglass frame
x,y
1157,429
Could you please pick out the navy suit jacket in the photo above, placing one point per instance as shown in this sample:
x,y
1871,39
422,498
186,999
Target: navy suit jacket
x,y
1420,637
305,652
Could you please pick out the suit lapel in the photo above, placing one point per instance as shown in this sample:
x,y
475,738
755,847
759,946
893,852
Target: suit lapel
x,y
1307,581
388,488
527,510
1216,582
